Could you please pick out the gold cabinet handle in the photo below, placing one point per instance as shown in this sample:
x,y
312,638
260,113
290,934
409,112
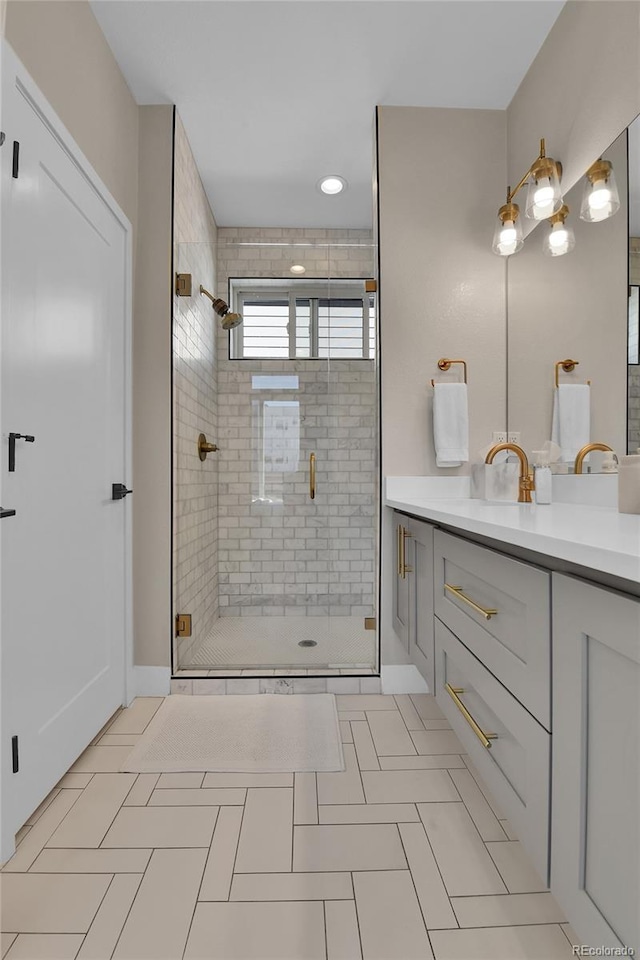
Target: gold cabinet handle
x,y
483,611
484,738
312,476
403,567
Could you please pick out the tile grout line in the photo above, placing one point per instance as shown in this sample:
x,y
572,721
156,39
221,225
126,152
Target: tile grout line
x,y
135,897
204,870
355,905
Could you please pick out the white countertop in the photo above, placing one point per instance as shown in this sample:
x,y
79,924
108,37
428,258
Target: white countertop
x,y
593,536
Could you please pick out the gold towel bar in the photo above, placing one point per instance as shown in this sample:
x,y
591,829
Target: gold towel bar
x,y
444,364
568,366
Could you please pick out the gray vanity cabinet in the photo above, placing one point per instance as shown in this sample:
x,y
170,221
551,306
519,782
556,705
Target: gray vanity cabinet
x,y
413,592
595,866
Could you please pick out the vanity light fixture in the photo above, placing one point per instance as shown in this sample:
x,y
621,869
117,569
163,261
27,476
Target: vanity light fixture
x,y
561,238
508,238
544,199
600,199
332,184
297,268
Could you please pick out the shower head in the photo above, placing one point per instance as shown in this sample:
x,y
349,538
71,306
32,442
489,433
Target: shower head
x,y
228,319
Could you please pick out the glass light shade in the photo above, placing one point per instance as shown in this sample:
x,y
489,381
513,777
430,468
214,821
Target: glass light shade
x,y
544,196
600,199
559,240
508,238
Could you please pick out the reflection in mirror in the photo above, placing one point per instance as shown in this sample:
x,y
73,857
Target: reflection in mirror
x,y
633,434
572,306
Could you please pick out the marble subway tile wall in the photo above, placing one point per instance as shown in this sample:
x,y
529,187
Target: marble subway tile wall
x,y
281,553
195,507
634,371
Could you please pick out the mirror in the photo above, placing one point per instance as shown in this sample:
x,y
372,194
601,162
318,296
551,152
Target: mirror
x,y
574,306
633,431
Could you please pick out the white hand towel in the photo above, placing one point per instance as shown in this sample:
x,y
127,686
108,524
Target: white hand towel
x,y
571,427
450,424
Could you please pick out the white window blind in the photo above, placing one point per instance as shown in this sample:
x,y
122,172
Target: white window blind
x,y
299,322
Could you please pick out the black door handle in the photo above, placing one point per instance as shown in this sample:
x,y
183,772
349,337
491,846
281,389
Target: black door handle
x,y
6,513
119,491
27,437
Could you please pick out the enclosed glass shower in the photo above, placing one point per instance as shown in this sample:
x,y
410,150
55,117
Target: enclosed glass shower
x,y
276,455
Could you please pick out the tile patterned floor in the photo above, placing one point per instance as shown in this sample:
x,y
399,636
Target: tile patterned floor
x,y
401,857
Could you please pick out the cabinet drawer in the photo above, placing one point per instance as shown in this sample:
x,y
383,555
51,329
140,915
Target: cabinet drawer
x,y
513,638
515,766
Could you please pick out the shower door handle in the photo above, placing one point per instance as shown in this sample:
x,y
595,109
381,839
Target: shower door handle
x,y
312,476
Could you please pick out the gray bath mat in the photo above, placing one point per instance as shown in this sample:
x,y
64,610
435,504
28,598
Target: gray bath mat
x,y
266,733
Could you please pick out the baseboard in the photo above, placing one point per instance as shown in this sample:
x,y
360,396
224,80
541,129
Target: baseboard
x,y
152,681
402,678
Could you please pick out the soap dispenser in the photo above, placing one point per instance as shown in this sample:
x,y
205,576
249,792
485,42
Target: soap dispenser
x,y
542,472
629,484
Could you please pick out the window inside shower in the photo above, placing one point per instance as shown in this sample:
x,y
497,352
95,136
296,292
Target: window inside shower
x,y
275,533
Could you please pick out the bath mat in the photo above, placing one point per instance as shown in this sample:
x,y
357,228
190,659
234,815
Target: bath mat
x,y
266,733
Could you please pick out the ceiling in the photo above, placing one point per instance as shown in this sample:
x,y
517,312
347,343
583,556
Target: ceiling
x,y
275,94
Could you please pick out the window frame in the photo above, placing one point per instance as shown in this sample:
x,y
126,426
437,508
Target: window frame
x,y
314,290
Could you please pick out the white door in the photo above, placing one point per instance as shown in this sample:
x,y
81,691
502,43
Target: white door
x,y
65,294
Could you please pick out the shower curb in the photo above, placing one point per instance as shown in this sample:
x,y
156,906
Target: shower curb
x,y
283,685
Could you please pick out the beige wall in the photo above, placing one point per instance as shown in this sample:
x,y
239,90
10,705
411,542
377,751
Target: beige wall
x,y
580,93
582,90
152,393
441,287
572,306
63,48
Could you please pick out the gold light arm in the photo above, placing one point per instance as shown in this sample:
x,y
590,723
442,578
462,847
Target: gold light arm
x,y
457,592
312,476
484,738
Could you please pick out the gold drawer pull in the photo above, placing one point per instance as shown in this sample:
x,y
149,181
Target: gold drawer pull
x,y
484,738
457,592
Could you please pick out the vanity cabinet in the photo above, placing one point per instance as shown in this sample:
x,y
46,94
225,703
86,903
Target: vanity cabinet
x,y
538,673
510,749
413,592
499,608
595,860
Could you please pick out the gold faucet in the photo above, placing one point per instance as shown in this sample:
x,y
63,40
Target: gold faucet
x,y
526,484
582,453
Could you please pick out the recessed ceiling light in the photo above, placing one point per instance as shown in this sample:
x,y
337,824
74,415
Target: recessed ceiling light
x,y
332,184
297,268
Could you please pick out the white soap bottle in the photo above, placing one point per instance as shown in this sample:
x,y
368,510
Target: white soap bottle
x,y
542,476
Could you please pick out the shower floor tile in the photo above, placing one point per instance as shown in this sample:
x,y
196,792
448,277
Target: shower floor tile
x,y
269,642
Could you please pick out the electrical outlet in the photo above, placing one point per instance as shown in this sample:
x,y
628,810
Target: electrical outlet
x,y
513,436
499,436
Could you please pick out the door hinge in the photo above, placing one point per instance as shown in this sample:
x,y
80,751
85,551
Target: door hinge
x,y
15,760
183,625
16,160
369,623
